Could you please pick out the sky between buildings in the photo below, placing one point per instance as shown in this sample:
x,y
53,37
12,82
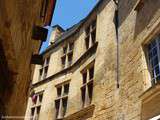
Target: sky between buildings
x,y
67,13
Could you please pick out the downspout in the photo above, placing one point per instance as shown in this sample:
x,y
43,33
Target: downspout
x,y
116,20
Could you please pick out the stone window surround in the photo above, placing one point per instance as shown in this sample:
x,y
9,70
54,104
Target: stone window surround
x,y
36,107
86,84
61,98
44,69
67,55
90,34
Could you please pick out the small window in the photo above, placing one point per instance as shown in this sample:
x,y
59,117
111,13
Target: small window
x,y
40,98
91,73
87,42
65,50
45,72
57,106
83,92
47,61
40,73
66,89
70,59
32,111
64,102
71,46
59,91
63,61
84,77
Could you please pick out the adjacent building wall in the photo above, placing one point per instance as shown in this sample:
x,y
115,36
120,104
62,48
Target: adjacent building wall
x,y
17,18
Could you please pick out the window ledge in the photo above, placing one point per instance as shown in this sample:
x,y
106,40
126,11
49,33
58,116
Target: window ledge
x,y
85,112
151,92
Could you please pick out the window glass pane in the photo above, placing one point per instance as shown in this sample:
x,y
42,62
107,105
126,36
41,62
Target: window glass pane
x,y
64,102
66,89
59,91
91,73
84,77
83,91
57,105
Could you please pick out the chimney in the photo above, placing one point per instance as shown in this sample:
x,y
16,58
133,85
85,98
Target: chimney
x,y
56,32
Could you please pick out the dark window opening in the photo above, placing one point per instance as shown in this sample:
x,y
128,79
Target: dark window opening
x,y
65,50
64,102
84,77
66,89
93,24
32,111
47,61
87,31
87,42
57,106
45,71
59,91
90,91
70,59
71,45
83,92
91,73
40,98
93,35
40,73
63,61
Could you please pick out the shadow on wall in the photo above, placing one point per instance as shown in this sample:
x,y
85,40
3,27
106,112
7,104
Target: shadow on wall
x,y
125,8
145,16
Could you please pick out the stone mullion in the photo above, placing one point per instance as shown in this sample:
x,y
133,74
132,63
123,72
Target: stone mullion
x,y
66,62
86,92
61,104
90,37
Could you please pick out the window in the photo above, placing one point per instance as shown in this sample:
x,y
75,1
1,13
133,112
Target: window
x,y
44,70
154,59
67,56
87,85
90,32
61,100
44,9
36,105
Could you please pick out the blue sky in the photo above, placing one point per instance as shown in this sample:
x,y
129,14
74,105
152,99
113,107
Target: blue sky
x,y
68,13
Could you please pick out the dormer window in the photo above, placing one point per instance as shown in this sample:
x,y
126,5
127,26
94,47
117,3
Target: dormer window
x,y
90,32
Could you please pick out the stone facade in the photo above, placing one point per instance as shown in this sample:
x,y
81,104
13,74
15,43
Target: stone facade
x,y
122,88
17,18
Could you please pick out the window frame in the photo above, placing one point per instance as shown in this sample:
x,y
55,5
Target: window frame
x,y
150,64
60,111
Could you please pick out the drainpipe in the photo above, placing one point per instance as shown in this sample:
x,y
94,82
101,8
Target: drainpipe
x,y
117,40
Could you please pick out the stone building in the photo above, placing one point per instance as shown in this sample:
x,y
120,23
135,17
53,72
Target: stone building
x,y
106,67
18,18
